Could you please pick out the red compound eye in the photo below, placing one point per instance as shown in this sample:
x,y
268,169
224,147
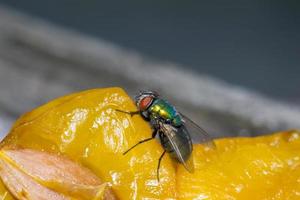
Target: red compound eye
x,y
145,103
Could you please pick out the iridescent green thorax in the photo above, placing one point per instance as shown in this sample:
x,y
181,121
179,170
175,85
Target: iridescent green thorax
x,y
165,110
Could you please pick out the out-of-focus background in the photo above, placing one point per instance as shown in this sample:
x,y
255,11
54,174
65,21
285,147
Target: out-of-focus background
x,y
232,66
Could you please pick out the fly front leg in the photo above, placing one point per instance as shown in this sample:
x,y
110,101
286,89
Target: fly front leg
x,y
131,113
154,133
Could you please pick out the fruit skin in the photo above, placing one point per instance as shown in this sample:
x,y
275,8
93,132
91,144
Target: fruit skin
x,y
265,167
87,128
36,175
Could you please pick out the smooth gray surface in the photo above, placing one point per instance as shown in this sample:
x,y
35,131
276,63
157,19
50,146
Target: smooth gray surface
x,y
40,61
252,43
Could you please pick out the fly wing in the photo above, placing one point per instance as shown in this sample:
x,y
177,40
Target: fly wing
x,y
181,143
198,134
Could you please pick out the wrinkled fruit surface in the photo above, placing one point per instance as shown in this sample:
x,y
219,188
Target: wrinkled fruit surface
x,y
87,128
266,167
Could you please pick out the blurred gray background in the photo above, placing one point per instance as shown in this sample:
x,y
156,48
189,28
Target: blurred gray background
x,y
232,66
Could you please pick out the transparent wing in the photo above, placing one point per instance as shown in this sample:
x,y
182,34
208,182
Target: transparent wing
x,y
198,134
181,144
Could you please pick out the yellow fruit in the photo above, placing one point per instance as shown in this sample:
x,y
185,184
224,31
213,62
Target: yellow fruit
x,y
266,167
87,128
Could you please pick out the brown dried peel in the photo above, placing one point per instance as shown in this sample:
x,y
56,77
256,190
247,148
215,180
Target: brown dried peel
x,y
37,175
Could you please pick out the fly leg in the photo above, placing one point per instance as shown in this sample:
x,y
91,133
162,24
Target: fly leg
x,y
131,113
142,141
158,166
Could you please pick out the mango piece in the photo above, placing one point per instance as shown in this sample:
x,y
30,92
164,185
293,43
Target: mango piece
x,y
87,128
266,167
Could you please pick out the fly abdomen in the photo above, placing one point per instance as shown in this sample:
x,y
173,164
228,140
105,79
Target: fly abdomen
x,y
165,143
182,142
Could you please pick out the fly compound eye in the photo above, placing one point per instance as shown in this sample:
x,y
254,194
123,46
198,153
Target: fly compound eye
x,y
145,102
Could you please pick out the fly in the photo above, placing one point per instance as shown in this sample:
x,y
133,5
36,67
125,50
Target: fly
x,y
177,132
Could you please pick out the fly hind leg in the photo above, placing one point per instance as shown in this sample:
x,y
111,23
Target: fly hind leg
x,y
159,162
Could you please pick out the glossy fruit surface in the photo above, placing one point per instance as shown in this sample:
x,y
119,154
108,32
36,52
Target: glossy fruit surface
x,y
87,128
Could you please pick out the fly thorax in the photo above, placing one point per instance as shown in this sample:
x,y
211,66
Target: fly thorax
x,y
164,110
